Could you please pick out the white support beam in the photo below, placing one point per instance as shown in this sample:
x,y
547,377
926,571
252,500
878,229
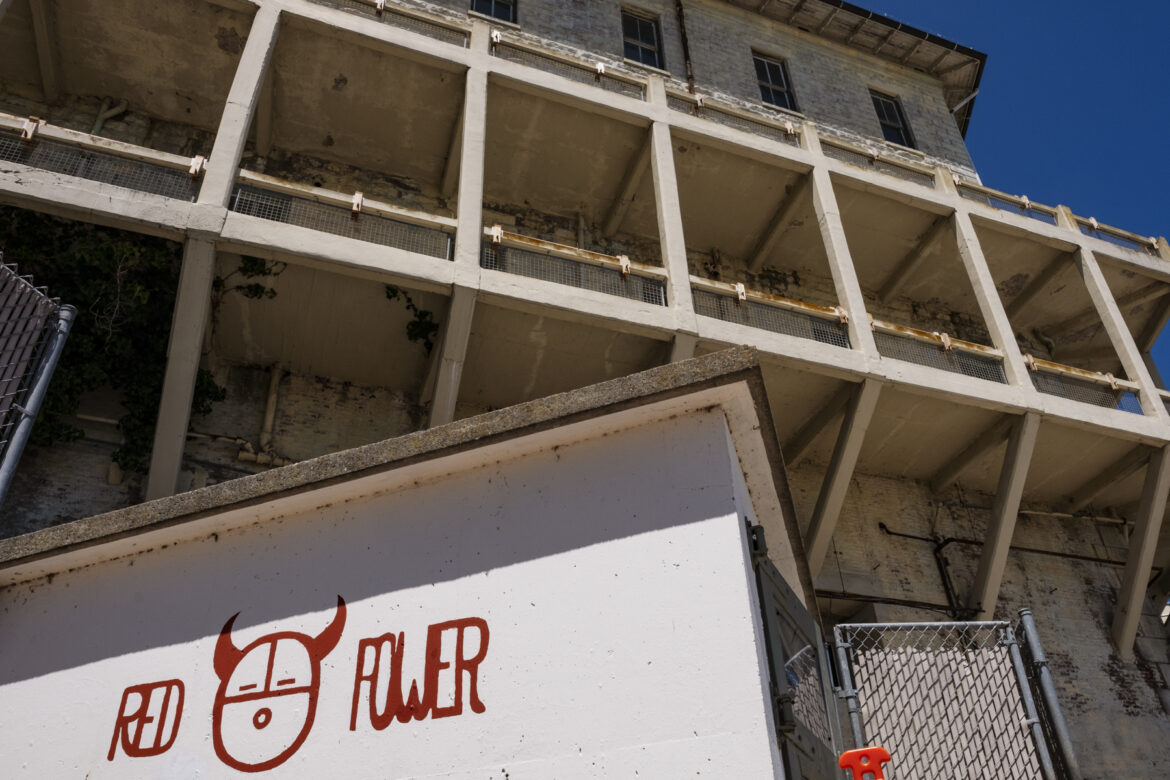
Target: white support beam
x,y
683,347
983,444
453,353
472,151
241,106
990,304
832,496
1143,543
1123,342
184,351
778,224
840,262
914,258
635,173
449,183
1005,510
1083,319
1125,466
670,221
797,447
1038,284
44,35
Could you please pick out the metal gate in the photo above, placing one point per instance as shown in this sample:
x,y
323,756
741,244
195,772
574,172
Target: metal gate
x,y
954,700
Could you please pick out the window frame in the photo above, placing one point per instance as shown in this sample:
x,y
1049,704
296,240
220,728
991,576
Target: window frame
x,y
655,25
781,66
902,127
493,5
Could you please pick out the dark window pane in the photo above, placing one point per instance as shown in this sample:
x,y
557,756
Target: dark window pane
x,y
641,40
504,10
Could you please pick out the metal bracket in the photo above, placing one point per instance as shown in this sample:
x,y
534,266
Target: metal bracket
x,y
358,200
842,315
759,544
956,178
698,104
740,291
1030,362
497,234
1093,223
198,165
624,262
29,130
789,128
872,326
497,39
785,713
1026,203
945,339
600,71
1112,382
379,7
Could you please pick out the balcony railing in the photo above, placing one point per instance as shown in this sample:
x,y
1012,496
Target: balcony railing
x,y
71,153
526,256
864,158
1087,387
1015,204
1122,238
734,303
778,128
596,73
938,350
406,19
267,197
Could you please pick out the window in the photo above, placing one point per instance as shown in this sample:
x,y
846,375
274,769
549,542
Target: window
x,y
642,38
775,88
504,10
893,121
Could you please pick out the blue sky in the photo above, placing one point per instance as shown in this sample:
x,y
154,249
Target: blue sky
x,y
1074,107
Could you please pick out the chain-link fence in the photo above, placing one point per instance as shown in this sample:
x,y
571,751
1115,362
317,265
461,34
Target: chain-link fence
x,y
341,221
98,166
1086,391
772,318
957,361
947,700
569,70
573,273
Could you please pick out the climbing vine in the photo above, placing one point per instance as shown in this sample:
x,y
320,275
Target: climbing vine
x,y
123,285
248,271
422,327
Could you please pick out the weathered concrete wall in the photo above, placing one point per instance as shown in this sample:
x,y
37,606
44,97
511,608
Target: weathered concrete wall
x,y
1116,711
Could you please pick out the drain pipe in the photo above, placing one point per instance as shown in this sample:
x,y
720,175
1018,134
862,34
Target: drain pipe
x,y
107,113
686,46
1048,693
270,408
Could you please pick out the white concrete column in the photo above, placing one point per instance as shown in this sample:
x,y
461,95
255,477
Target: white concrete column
x,y
683,347
1005,510
999,327
1143,543
240,107
858,416
192,305
453,353
472,148
841,262
1119,335
670,220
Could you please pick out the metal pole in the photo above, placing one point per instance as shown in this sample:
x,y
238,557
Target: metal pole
x,y
40,386
1048,692
847,690
1009,639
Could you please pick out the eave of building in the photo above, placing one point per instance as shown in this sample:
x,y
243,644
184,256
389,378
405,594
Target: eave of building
x,y
958,67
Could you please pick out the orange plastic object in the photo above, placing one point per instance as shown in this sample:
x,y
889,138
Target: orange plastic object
x,y
865,761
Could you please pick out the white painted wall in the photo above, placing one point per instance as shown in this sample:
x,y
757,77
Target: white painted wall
x,y
612,574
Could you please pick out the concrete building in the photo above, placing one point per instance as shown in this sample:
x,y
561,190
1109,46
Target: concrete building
x,y
457,207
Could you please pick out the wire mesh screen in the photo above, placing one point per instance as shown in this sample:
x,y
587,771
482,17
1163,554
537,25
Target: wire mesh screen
x,y
99,166
568,70
873,163
1117,239
956,361
764,129
340,221
25,316
405,21
1003,204
1086,391
772,318
562,270
942,698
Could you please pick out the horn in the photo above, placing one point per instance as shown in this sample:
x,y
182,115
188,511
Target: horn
x,y
227,655
328,639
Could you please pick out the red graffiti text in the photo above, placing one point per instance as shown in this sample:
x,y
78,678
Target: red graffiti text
x,y
148,719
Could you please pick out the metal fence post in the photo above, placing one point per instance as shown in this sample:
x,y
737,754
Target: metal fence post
x,y
1034,724
848,692
1048,692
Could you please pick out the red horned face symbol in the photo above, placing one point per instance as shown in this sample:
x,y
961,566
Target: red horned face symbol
x,y
267,695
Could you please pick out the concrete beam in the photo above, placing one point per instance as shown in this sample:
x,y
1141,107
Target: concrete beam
x,y
1083,319
999,327
1110,314
797,447
1143,543
453,354
44,35
683,347
472,150
630,184
241,106
1037,284
914,258
1125,466
1005,510
778,224
450,180
983,444
184,351
670,221
832,496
